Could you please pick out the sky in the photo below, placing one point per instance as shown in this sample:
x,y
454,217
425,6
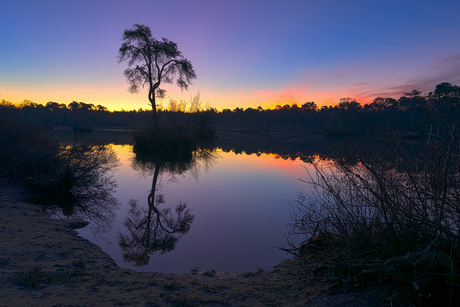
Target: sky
x,y
246,53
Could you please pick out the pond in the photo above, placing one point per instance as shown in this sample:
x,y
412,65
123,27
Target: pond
x,y
237,196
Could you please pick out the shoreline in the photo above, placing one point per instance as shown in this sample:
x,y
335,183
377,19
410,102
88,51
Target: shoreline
x,y
43,262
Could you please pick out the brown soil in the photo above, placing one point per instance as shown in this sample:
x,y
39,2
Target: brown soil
x,y
43,262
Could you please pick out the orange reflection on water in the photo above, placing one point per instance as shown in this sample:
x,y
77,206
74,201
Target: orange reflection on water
x,y
243,162
240,162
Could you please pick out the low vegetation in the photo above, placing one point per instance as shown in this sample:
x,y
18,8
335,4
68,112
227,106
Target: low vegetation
x,y
388,215
68,177
39,278
168,140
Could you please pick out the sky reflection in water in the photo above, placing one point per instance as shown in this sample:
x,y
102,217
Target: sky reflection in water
x,y
240,205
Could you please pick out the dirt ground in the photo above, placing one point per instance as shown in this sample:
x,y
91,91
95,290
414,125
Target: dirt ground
x,y
43,262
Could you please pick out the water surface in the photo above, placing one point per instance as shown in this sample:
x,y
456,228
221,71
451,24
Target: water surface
x,y
240,203
239,197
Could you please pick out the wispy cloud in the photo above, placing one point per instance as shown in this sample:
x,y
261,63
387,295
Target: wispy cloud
x,y
444,70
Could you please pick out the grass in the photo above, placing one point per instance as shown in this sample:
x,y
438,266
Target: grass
x,y
210,273
38,277
35,278
191,299
195,269
4,261
172,285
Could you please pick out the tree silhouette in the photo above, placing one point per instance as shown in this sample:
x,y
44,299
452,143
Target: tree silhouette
x,y
349,104
151,61
446,89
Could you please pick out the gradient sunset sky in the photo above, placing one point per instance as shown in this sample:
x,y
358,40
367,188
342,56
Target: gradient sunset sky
x,y
245,53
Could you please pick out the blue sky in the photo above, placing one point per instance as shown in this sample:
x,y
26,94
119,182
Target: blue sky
x,y
245,53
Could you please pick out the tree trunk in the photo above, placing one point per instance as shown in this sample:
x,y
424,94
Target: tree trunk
x,y
154,107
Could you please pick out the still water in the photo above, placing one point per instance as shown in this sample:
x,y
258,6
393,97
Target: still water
x,y
240,204
239,200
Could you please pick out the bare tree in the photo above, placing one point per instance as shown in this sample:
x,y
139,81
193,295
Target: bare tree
x,y
195,103
151,61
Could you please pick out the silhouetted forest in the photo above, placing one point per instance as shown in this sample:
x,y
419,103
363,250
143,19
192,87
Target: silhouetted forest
x,y
409,115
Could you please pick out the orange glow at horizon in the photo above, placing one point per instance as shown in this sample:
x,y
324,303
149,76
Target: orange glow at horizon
x,y
117,98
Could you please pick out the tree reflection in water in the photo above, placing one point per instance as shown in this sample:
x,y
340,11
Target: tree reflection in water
x,y
86,188
155,229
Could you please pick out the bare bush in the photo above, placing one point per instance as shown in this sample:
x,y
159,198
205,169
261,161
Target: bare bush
x,y
399,208
83,185
69,180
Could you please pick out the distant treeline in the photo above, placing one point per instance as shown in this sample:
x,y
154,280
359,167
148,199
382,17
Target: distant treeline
x,y
75,114
410,114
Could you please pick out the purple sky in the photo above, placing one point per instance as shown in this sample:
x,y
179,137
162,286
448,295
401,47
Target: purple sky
x,y
245,53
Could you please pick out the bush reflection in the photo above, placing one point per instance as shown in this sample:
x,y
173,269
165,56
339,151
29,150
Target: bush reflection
x,y
86,186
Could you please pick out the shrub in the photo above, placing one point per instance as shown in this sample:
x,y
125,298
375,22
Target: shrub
x,y
396,207
169,140
76,179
